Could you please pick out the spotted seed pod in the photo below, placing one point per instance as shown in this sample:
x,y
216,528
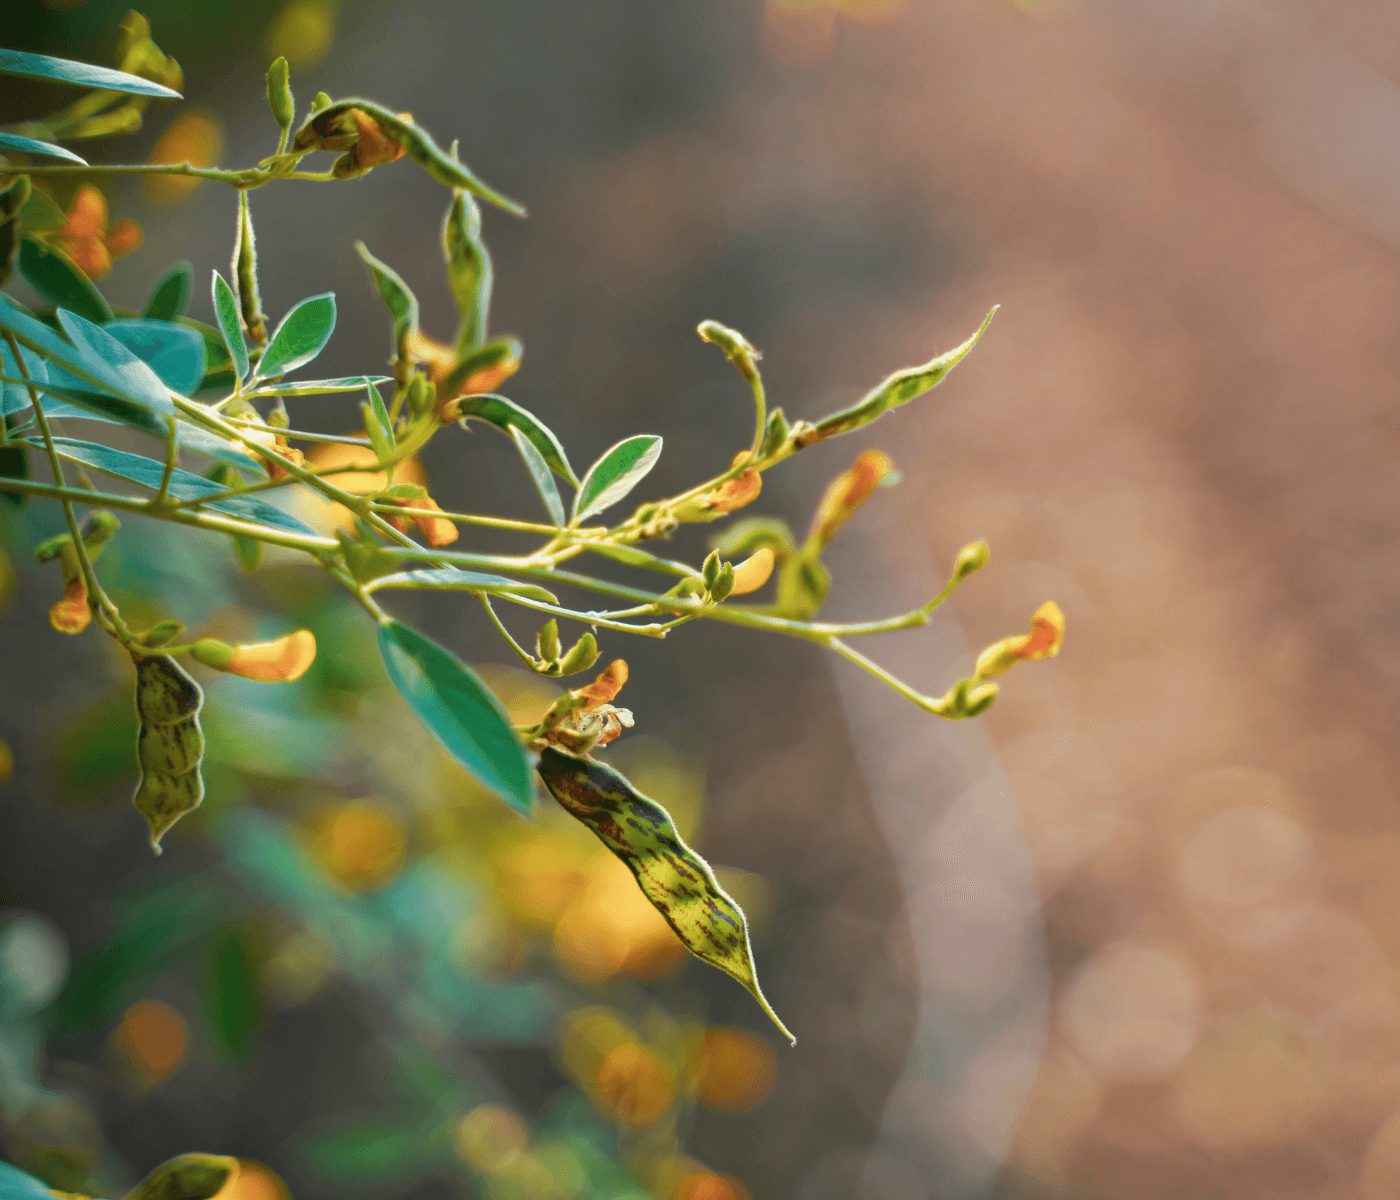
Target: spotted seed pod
x,y
169,743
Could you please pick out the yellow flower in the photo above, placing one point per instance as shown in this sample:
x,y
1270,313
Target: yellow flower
x,y
753,572
281,661
86,239
72,614
436,531
847,492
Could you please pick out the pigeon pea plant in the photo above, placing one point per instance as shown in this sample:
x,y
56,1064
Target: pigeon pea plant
x,y
228,460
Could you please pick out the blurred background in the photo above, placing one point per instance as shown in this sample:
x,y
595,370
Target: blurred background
x,y
1130,936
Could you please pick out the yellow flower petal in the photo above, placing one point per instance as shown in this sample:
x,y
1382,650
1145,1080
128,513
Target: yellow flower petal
x,y
281,661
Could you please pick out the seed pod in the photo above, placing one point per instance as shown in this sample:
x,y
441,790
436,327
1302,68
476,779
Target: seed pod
x,y
279,92
169,743
245,274
469,270
342,124
899,388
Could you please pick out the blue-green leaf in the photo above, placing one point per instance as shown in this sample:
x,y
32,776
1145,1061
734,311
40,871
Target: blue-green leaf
x,y
540,475
14,143
506,415
453,580
14,397
129,376
226,313
171,294
174,352
16,1185
300,337
459,710
616,473
184,485
397,296
64,70
59,280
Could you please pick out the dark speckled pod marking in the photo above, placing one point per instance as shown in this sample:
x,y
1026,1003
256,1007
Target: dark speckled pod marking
x,y
677,881
169,743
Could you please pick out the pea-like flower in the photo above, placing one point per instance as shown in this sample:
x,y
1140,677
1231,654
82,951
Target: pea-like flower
x,y
86,237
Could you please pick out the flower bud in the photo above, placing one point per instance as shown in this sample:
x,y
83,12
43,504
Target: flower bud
x,y
281,661
972,557
279,92
1044,640
547,644
581,655
72,614
723,584
847,492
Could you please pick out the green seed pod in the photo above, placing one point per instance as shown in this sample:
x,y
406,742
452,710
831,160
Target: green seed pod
x,y
169,743
469,270
735,345
245,273
581,655
188,1177
547,645
279,93
899,388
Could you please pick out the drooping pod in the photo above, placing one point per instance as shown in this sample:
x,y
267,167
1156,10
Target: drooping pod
x,y
169,743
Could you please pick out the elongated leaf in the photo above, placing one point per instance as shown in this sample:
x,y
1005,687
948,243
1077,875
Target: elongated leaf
x,y
616,473
539,473
459,710
300,337
171,294
899,388
454,580
232,1005
678,882
63,70
230,325
318,387
14,143
184,485
506,415
380,421
57,278
14,397
16,1185
398,298
100,372
174,352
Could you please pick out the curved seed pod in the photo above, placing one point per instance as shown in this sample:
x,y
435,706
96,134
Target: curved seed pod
x,y
336,127
245,274
187,1177
899,388
469,270
679,883
279,92
169,743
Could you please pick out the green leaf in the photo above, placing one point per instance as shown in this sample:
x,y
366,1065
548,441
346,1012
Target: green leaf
x,y
454,580
318,387
187,1177
397,297
679,883
16,1185
539,473
899,388
616,473
230,325
378,426
14,143
171,294
14,397
459,710
184,485
232,1006
58,279
506,415
174,352
300,337
63,70
14,198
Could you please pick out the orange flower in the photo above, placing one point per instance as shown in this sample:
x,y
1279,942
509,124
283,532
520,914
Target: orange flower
x,y
194,137
1044,640
436,531
275,470
72,615
735,493
605,688
373,146
848,491
281,661
86,239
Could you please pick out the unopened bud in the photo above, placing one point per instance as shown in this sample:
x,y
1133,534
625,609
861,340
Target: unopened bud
x,y
972,557
547,644
581,655
279,92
